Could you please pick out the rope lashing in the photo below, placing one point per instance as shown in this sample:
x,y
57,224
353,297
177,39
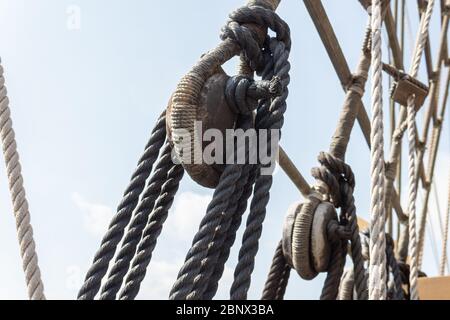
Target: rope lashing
x,y
199,275
124,213
377,263
19,200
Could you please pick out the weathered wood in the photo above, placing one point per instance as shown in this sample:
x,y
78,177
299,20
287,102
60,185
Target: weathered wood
x,y
437,288
292,172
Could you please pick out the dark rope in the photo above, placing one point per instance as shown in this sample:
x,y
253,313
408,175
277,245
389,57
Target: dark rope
x,y
193,276
231,237
343,197
125,209
338,239
273,119
151,233
193,262
137,225
278,277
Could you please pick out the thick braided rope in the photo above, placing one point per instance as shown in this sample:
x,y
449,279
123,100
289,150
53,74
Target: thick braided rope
x,y
137,225
19,200
210,263
335,270
231,237
445,236
412,191
273,119
193,262
377,264
125,209
151,233
278,277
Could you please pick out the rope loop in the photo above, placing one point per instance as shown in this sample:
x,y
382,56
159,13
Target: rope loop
x,y
238,30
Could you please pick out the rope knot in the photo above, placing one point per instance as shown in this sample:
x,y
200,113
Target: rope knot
x,y
243,94
337,232
252,43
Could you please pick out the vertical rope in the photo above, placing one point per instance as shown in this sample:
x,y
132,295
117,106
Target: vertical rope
x,y
412,136
19,200
377,264
445,238
412,248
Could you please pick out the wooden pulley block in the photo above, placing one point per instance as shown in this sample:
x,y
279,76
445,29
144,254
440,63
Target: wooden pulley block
x,y
288,229
195,107
406,87
305,241
300,239
320,245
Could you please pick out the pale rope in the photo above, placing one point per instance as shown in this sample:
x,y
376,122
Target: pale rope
x,y
445,237
412,136
20,204
412,248
377,264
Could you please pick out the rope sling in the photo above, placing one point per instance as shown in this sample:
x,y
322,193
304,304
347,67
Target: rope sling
x,y
318,232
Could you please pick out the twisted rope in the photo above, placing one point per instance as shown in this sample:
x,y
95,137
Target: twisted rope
x,y
151,233
330,289
377,264
231,237
412,171
19,200
199,249
279,273
125,210
340,180
273,119
412,248
137,225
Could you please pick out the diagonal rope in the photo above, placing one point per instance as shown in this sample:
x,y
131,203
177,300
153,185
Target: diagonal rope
x,y
377,263
412,170
444,260
125,210
19,200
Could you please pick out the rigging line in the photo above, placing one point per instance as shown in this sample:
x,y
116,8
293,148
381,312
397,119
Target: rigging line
x,y
444,257
432,237
438,208
19,199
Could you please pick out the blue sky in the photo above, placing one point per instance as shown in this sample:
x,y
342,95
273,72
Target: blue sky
x,y
84,101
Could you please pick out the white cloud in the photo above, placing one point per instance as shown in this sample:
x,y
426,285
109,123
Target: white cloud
x,y
186,214
96,217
